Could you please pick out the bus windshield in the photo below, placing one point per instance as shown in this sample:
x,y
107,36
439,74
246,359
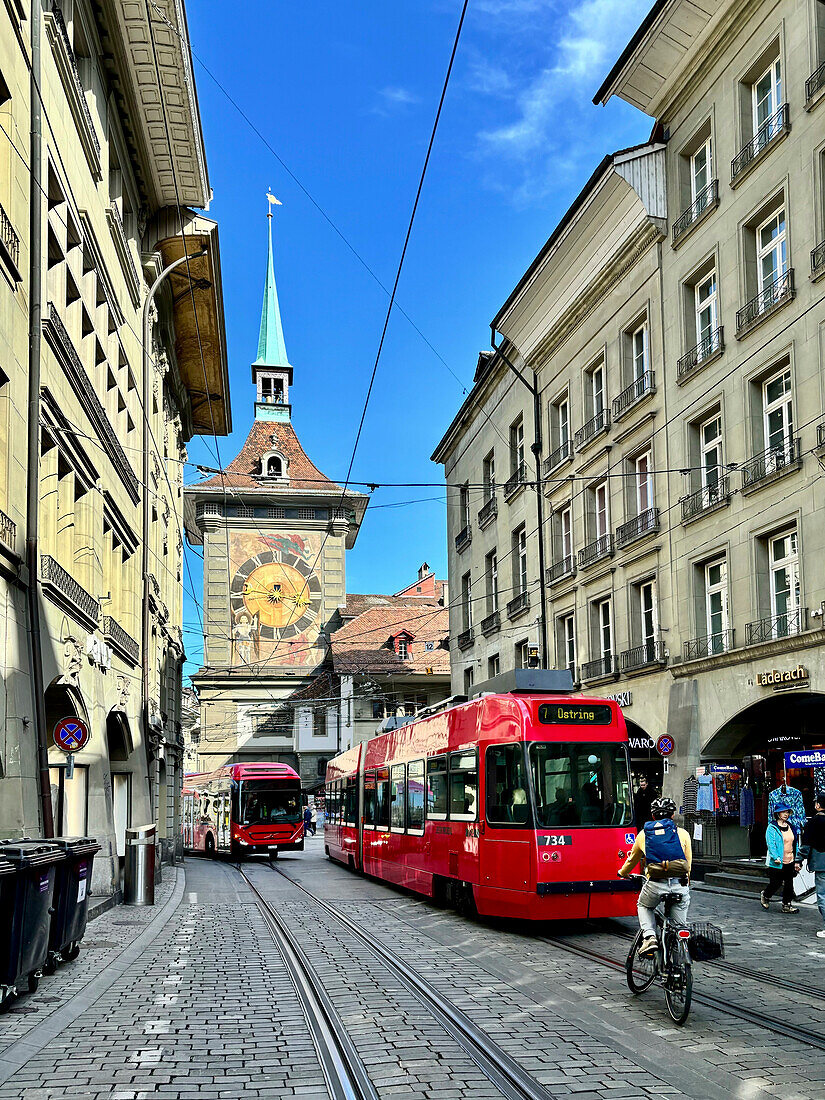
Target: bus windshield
x,y
266,802
580,783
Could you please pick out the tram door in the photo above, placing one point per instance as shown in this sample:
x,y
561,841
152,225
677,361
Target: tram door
x,y
507,848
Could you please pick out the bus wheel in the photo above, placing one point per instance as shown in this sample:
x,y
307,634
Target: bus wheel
x,y
465,903
273,854
209,845
237,852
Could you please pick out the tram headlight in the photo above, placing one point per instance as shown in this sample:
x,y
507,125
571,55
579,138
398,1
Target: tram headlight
x,y
244,842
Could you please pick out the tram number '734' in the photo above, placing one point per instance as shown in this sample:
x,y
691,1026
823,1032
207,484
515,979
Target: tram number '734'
x,y
555,841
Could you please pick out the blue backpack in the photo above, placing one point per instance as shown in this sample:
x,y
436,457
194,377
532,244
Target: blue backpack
x,y
664,854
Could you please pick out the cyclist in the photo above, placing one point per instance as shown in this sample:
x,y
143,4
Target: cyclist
x,y
667,853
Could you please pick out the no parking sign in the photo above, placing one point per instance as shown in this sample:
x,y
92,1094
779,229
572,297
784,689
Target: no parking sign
x,y
665,745
71,734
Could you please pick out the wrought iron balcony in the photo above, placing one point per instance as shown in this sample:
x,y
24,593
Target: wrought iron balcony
x,y
771,129
814,82
595,551
708,348
774,295
463,538
465,638
491,623
707,199
818,259
515,481
780,626
706,499
8,530
594,426
489,510
555,458
565,567
636,528
771,463
602,666
518,604
119,640
9,239
709,646
61,583
649,653
634,393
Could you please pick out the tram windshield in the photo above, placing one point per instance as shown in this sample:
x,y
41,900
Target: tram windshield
x,y
265,802
580,784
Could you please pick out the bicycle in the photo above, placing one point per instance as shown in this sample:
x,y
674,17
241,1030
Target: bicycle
x,y
670,964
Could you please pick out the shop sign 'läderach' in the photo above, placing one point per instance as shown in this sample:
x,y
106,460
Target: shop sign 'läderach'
x,y
778,679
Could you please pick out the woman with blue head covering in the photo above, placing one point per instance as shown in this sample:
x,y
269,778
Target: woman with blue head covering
x,y
782,860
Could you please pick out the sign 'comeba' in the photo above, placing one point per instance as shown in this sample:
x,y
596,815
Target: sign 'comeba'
x,y
575,714
805,758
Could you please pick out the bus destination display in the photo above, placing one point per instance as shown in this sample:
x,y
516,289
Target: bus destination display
x,y
575,714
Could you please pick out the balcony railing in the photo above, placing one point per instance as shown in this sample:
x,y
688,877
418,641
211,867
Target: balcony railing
x,y
778,292
488,511
491,623
814,82
119,640
772,462
602,666
555,458
595,551
515,481
594,426
463,538
709,346
780,626
54,576
649,653
818,259
707,198
820,435
518,604
709,646
8,530
772,128
565,567
706,499
638,527
465,638
8,238
642,386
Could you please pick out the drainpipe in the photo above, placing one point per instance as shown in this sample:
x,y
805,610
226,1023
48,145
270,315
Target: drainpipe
x,y
536,449
33,458
145,626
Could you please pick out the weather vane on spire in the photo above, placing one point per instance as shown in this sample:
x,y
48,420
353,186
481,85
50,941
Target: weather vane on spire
x,y
272,201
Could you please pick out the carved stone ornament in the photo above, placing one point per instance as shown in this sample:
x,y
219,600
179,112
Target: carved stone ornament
x,y
72,661
124,685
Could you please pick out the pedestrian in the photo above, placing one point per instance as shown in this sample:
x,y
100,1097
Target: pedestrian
x,y
642,800
308,830
813,850
782,860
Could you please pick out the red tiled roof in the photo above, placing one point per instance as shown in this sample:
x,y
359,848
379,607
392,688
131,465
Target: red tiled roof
x,y
358,603
240,473
361,644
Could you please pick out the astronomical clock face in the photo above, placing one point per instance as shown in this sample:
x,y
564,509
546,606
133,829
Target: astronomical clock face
x,y
279,589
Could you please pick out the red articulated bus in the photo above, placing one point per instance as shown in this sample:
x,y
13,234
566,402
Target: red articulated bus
x,y
516,804
242,809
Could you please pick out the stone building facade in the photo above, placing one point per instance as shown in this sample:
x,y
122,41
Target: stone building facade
x,y
675,329
89,221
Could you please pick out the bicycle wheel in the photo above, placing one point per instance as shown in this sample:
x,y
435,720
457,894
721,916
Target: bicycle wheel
x,y
640,972
679,987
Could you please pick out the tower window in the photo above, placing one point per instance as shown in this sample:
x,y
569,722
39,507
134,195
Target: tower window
x,y
274,467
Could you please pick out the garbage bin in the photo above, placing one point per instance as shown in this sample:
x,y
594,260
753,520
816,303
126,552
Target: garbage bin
x,y
26,920
139,872
71,898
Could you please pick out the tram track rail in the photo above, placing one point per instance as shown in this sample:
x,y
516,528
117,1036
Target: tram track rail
x,y
503,1071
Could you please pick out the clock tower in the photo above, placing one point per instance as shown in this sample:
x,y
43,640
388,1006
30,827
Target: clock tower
x,y
274,532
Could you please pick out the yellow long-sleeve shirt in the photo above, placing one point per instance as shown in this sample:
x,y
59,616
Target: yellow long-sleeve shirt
x,y
637,852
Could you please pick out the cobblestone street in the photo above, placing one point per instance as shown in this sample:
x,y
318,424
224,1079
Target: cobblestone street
x,y
193,999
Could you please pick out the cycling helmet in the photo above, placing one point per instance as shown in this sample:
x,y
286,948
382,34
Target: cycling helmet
x,y
662,807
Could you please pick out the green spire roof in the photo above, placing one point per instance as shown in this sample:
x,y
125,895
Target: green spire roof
x,y
271,346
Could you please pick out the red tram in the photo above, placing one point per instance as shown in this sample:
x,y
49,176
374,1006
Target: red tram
x,y
243,808
517,803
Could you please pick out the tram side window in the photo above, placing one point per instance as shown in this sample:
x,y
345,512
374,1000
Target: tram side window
x,y
397,785
437,788
382,798
463,786
415,796
370,801
506,782
335,803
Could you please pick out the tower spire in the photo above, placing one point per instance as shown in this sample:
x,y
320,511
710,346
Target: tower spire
x,y
271,344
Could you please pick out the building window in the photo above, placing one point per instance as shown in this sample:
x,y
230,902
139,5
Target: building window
x,y
468,681
564,534
600,510
602,623
706,311
403,649
710,453
489,469
639,353
777,413
560,429
643,466
493,667
785,590
701,170
771,251
648,627
517,446
467,602
596,390
491,577
767,99
464,506
716,605
520,560
566,642
521,653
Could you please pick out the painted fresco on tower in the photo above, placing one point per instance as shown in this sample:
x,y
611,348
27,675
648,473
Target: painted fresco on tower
x,y
275,598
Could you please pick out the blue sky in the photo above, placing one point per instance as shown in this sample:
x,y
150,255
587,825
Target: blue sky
x,y
345,93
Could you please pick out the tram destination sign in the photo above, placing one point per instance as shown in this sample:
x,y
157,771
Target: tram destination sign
x,y
805,758
575,714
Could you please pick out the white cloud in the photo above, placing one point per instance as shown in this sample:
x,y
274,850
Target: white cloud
x,y
398,97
